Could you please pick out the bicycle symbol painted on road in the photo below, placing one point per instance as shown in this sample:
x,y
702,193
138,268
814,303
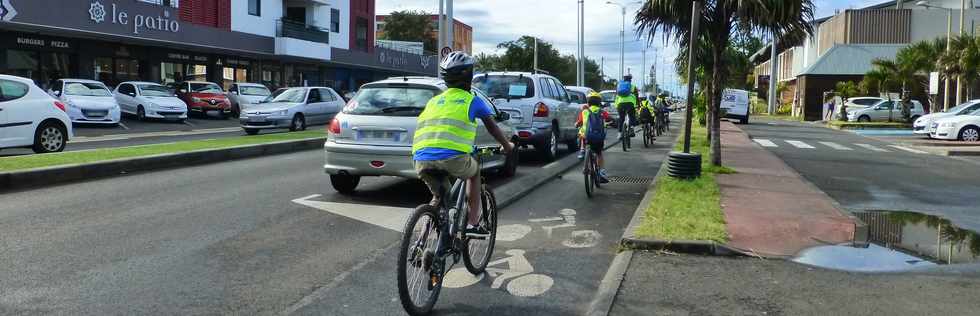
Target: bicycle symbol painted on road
x,y
519,271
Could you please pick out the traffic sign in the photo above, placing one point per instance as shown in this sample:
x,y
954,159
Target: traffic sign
x,y
446,50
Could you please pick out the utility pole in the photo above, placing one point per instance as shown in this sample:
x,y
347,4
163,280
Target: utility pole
x,y
440,21
695,20
773,62
643,75
959,79
450,25
622,45
580,65
535,55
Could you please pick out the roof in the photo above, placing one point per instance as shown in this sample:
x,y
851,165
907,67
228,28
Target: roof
x,y
141,82
79,80
851,59
585,90
412,79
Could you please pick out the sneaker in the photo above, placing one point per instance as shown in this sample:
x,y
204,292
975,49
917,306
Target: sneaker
x,y
477,232
581,154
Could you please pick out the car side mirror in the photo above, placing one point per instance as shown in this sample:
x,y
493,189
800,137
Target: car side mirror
x,y
503,117
181,91
132,94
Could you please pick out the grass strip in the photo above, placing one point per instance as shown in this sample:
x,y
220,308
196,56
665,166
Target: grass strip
x,y
842,124
88,156
687,209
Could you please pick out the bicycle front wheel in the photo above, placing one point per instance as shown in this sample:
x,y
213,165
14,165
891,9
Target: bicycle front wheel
x,y
419,278
477,252
589,173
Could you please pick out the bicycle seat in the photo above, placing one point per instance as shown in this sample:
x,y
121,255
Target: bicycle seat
x,y
435,173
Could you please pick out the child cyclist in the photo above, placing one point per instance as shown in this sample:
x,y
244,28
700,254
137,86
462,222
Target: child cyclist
x,y
583,122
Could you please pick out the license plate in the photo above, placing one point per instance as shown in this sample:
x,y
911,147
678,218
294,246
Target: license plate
x,y
379,135
257,119
171,117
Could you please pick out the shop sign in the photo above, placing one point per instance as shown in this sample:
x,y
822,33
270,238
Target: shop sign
x,y
7,11
99,14
37,42
179,56
393,59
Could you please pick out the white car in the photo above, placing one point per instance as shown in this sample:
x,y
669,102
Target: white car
x,y
88,101
884,111
961,127
856,103
294,108
243,95
923,125
150,100
29,117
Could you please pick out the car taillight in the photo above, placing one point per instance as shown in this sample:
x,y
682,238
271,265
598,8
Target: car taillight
x,y
541,110
60,106
334,127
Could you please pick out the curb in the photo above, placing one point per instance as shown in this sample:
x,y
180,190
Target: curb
x,y
48,176
520,188
866,127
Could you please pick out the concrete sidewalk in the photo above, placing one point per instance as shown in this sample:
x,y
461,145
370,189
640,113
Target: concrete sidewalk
x,y
770,209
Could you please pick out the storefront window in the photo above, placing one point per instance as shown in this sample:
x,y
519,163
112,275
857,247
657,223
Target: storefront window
x,y
56,66
197,72
227,77
103,71
176,72
127,70
272,78
24,64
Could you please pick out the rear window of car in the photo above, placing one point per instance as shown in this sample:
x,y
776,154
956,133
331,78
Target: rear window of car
x,y
205,88
391,100
505,86
256,91
608,96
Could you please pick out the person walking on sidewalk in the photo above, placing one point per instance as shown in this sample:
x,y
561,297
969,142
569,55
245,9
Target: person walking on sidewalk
x,y
829,103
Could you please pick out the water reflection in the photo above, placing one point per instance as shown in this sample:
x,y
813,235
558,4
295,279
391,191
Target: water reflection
x,y
898,241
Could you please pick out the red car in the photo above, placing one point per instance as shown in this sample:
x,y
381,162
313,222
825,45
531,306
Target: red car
x,y
203,97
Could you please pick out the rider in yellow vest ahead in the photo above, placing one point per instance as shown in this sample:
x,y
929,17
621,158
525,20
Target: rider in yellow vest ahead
x,y
446,133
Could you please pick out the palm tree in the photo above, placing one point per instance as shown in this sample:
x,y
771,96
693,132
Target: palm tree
x,y
962,60
719,19
845,89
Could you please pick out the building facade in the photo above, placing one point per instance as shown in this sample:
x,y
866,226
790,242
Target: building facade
x,y
462,32
279,43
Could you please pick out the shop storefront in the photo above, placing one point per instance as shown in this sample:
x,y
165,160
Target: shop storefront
x,y
41,58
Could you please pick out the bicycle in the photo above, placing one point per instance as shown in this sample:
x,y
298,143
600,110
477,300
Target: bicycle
x,y
649,134
440,237
591,171
626,126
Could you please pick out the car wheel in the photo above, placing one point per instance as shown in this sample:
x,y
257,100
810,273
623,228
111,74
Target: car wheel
x,y
549,148
970,134
50,137
345,184
298,124
140,113
252,131
510,168
864,118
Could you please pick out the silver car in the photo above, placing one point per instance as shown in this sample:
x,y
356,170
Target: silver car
x,y
373,135
294,109
244,94
547,116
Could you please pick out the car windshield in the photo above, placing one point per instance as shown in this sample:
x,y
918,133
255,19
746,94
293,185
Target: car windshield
x,y
391,100
205,88
155,90
960,107
256,91
294,95
609,96
975,113
505,86
87,89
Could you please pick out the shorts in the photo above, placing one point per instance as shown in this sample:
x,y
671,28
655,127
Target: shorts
x,y
597,146
462,167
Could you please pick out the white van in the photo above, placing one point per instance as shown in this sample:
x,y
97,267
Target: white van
x,y
735,103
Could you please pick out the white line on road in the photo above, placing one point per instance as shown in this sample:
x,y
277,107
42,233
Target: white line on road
x,y
836,146
123,126
872,148
914,151
392,218
799,144
188,123
765,142
552,164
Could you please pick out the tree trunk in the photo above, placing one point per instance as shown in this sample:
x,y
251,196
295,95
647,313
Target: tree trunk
x,y
714,106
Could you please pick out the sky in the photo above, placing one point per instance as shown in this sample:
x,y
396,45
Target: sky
x,y
496,21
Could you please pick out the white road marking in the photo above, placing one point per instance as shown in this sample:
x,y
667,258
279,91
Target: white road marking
x,y
765,142
123,126
188,123
546,219
519,271
512,232
582,239
836,146
872,148
799,144
552,164
914,151
392,218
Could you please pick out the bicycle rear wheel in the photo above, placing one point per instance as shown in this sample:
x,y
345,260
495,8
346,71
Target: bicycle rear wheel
x,y
646,135
588,173
626,134
477,252
596,178
418,281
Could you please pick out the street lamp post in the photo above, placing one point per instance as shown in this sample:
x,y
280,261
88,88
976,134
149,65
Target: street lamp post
x,y
695,20
580,65
622,40
949,41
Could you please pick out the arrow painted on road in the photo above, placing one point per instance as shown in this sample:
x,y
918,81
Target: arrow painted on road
x,y
392,218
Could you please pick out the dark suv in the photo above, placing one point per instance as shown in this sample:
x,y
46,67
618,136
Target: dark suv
x,y
203,97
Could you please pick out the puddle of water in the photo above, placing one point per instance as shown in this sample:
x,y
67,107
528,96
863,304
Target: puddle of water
x,y
898,241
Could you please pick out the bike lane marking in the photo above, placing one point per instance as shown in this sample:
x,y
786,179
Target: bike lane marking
x,y
392,218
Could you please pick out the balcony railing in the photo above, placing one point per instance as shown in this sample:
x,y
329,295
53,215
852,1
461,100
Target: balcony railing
x,y
300,30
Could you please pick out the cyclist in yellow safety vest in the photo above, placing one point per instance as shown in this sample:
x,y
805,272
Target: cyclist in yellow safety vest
x,y
626,105
594,106
446,133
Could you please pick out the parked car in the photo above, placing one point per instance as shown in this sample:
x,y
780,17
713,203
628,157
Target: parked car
x,y
373,135
608,97
294,109
883,111
960,127
579,95
87,101
856,103
735,104
243,94
149,100
203,97
923,126
29,117
547,116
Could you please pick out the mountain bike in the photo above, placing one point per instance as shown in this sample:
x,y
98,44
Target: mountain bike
x,y
591,171
433,235
650,131
626,127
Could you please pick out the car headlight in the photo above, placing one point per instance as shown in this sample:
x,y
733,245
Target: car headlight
x,y
282,113
195,99
946,124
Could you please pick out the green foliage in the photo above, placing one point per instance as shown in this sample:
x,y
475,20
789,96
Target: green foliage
x,y
518,55
410,26
700,109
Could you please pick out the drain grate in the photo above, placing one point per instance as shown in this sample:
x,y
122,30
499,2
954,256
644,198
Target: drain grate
x,y
630,179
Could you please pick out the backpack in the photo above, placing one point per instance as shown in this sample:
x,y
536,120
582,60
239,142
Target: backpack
x,y
595,131
624,89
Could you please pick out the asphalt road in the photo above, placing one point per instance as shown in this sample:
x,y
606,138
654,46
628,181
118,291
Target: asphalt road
x,y
864,173
234,238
